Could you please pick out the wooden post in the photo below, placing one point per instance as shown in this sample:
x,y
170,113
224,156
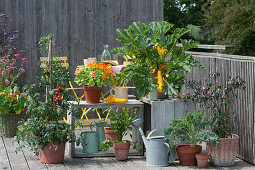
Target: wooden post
x,y
51,71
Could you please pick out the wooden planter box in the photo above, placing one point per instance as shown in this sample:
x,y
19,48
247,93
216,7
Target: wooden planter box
x,y
158,114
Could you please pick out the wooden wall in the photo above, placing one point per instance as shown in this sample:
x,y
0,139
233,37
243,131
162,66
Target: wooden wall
x,y
232,65
81,27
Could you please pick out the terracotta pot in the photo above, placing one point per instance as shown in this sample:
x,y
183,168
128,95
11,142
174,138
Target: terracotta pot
x,y
52,156
202,160
224,154
121,150
92,94
187,154
110,134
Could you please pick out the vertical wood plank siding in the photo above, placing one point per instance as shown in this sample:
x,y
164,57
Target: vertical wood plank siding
x,y
232,65
81,27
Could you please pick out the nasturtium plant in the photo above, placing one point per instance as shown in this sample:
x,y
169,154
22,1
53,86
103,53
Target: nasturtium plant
x,y
94,74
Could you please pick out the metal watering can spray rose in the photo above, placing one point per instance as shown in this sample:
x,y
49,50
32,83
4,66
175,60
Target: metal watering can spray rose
x,y
157,149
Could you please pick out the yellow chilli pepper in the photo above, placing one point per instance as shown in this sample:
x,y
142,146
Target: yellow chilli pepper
x,y
110,99
159,81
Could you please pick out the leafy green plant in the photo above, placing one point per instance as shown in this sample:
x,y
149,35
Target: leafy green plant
x,y
190,130
120,120
152,50
120,78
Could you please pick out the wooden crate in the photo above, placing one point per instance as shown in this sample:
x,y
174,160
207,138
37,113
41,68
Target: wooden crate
x,y
158,114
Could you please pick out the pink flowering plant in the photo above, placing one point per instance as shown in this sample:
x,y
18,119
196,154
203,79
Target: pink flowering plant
x,y
11,61
215,96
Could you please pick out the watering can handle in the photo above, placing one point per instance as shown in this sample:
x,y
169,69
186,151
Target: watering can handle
x,y
151,132
90,125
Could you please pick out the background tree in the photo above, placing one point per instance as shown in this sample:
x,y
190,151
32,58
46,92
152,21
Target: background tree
x,y
190,14
232,22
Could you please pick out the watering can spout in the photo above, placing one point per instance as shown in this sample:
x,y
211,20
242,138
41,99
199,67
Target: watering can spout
x,y
138,124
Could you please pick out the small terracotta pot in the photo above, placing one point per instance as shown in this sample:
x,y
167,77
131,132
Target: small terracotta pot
x,y
110,134
121,150
92,94
52,156
202,160
187,153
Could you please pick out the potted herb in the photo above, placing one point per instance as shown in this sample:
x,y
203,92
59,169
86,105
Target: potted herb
x,y
44,132
121,121
216,98
190,131
156,62
121,91
11,67
93,77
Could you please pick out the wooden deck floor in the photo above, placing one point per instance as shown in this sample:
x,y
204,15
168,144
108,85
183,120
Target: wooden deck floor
x,y
27,160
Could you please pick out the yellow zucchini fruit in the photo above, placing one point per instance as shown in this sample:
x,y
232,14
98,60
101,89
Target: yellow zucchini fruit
x,y
159,81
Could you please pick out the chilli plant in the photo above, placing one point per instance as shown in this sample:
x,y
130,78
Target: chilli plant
x,y
214,96
152,50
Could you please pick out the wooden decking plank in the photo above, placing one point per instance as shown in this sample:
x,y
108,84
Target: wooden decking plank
x,y
33,160
17,160
89,163
108,164
140,162
128,164
73,164
171,166
59,166
4,160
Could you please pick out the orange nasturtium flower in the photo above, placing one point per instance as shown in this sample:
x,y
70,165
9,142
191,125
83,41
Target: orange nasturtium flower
x,y
94,64
104,76
77,71
161,51
100,65
93,74
109,66
104,68
90,65
111,72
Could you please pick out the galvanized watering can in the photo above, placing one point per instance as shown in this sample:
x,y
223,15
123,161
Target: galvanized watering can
x,y
157,150
91,143
100,132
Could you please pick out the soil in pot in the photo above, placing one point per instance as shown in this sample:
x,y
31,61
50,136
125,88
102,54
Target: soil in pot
x,y
187,154
121,150
52,156
92,94
202,160
110,134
